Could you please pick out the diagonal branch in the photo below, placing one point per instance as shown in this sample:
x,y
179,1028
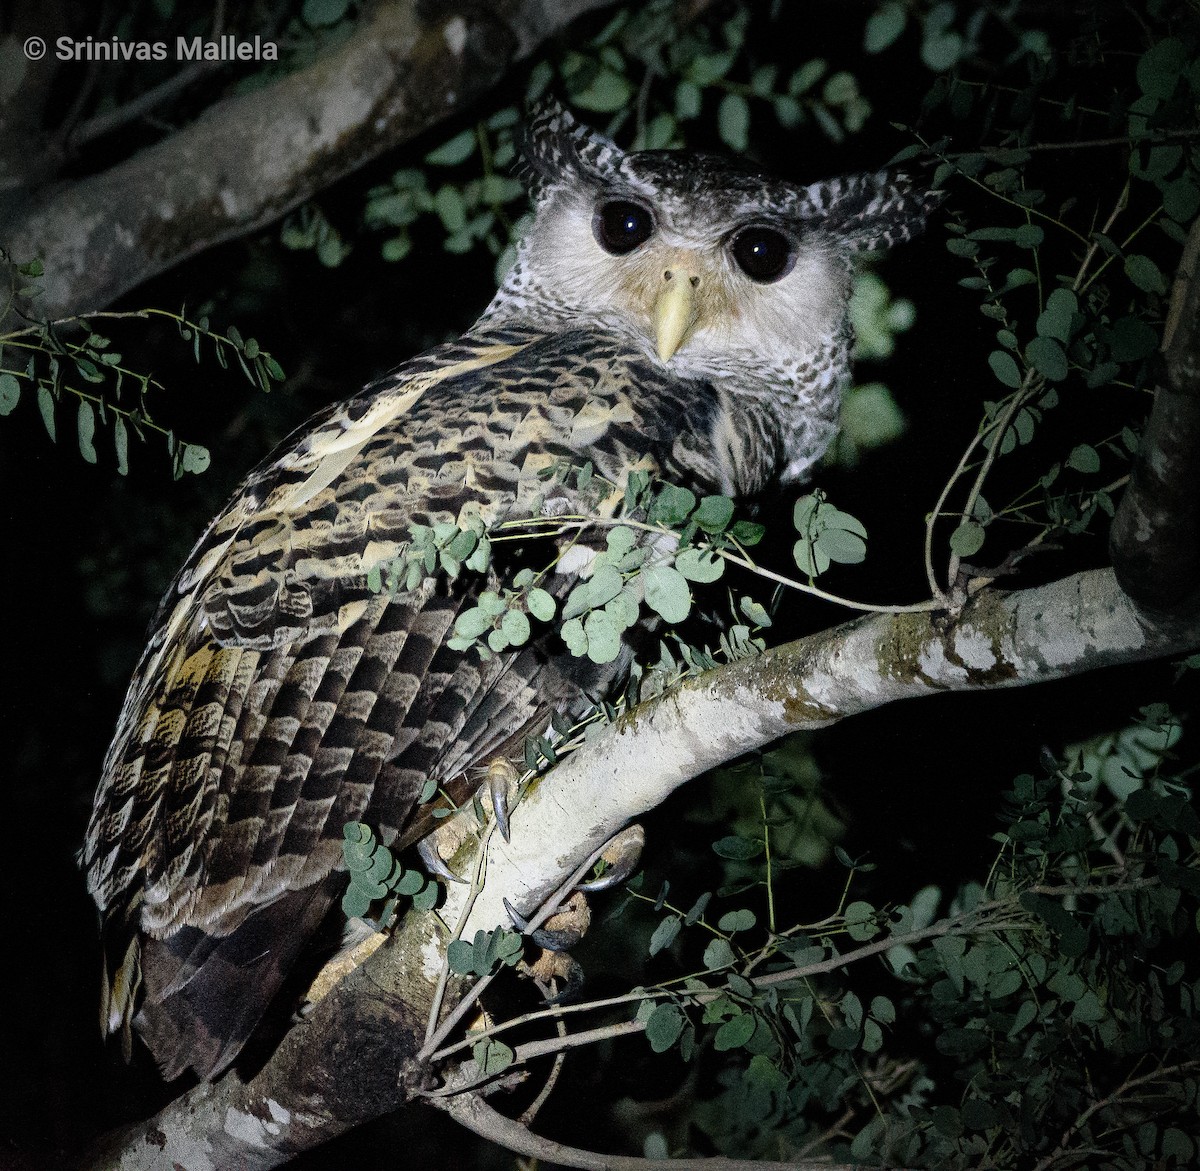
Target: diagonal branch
x,y
1000,640
356,1055
253,156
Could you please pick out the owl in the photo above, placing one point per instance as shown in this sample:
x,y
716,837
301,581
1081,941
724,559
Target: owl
x,y
667,312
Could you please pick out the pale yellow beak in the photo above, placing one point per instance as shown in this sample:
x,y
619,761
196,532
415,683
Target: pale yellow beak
x,y
674,310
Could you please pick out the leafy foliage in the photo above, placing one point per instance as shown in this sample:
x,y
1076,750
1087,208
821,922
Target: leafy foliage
x,y
378,878
1059,994
69,364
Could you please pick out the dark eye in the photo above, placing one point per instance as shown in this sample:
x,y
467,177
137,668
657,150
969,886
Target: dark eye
x,y
621,226
763,254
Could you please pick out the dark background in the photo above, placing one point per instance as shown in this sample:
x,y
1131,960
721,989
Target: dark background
x,y
86,555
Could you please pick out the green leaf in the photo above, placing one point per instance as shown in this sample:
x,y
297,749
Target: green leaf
x,y
515,626
451,210
46,407
10,394
664,934
733,1034
967,539
807,76
755,612
747,532
672,506
664,1026
714,513
1028,236
731,922
710,67
1159,68
941,51
733,122
492,1056
604,585
699,565
1132,339
355,903
603,637
540,603
1047,357
608,91
737,849
841,545
860,921
1005,368
121,444
667,592
884,27
472,623
809,559
1145,274
1084,458
1181,199
1056,319
573,636
687,101
718,954
85,426
457,150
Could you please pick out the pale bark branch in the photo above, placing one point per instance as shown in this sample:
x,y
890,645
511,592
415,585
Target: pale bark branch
x,y
253,156
329,1075
1000,640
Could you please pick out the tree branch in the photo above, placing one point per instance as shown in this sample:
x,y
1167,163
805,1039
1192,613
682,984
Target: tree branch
x,y
354,1056
475,1114
1000,640
1155,538
253,156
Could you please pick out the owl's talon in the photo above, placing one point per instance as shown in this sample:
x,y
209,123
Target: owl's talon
x,y
564,968
518,920
501,775
434,862
623,853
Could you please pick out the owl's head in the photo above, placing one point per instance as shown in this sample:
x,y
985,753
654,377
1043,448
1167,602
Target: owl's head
x,y
712,268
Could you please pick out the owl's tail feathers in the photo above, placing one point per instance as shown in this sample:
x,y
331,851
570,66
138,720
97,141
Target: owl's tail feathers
x,y
205,994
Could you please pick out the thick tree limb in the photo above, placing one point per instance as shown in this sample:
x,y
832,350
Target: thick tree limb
x,y
348,1062
1000,640
353,1057
1155,538
250,158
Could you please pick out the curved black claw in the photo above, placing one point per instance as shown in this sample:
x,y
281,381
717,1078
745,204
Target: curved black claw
x,y
500,775
552,940
434,862
623,853
572,978
518,920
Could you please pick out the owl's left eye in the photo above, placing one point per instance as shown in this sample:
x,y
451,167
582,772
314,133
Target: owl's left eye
x,y
763,254
621,226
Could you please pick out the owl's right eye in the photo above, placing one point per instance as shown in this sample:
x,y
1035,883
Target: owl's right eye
x,y
621,226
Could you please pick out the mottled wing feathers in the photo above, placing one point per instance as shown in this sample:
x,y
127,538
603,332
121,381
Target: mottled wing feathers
x,y
279,697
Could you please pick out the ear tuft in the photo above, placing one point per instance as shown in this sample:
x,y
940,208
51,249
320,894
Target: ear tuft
x,y
871,211
553,147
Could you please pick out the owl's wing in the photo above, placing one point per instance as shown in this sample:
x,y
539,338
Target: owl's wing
x,y
279,697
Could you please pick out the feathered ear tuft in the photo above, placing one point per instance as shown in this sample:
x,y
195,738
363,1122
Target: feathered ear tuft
x,y
553,146
871,211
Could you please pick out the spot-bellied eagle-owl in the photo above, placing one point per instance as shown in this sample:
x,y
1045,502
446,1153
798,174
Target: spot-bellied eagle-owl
x,y
667,311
